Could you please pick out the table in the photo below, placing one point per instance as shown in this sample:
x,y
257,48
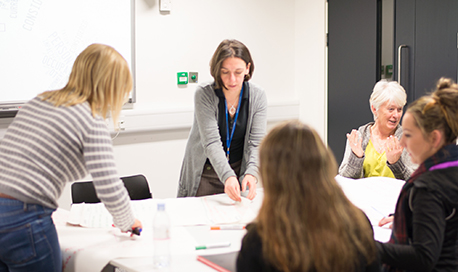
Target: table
x,y
92,249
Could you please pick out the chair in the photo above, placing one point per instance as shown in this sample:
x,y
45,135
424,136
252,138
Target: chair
x,y
137,187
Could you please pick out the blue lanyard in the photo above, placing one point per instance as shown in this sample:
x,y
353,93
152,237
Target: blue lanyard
x,y
229,138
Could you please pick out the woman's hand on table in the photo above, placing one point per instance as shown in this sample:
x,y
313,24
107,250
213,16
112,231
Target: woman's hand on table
x,y
232,188
385,221
137,225
250,181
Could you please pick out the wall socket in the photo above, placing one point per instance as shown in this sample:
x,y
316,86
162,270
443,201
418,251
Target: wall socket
x,y
121,125
165,5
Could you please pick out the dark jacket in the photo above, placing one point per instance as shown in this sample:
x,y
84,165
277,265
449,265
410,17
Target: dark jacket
x,y
431,223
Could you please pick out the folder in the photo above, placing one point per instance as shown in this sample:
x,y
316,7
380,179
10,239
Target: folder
x,y
225,262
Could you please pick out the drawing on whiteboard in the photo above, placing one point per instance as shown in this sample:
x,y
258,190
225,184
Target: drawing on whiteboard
x,y
39,40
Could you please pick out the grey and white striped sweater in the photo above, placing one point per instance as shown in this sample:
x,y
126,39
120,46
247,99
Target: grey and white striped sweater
x,y
46,146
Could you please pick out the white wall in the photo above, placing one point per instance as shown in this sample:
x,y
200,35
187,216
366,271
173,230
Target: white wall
x,y
310,69
185,39
287,42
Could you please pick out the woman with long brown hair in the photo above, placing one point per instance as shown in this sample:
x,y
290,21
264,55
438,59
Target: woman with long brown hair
x,y
305,223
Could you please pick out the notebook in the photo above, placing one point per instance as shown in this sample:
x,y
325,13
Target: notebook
x,y
224,262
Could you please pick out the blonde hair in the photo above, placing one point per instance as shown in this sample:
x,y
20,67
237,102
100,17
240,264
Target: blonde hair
x,y
101,77
439,110
387,91
305,221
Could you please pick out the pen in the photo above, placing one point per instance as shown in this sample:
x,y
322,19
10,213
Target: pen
x,y
208,246
379,212
228,227
136,231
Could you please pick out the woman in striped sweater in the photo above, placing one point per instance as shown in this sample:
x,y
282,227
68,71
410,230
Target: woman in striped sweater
x,y
58,137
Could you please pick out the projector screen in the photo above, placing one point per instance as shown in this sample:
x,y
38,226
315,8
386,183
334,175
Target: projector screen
x,y
40,40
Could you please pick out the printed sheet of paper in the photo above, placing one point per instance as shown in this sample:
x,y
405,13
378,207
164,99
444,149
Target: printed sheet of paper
x,y
90,215
182,212
220,209
376,196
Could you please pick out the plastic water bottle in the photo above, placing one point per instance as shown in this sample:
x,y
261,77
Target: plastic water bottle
x,y
161,236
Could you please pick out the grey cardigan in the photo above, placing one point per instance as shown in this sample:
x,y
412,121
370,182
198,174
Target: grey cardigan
x,y
352,166
205,141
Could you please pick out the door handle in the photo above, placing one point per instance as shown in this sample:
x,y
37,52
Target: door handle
x,y
399,61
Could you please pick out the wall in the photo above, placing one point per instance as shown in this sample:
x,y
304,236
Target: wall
x,y
185,39
310,66
287,42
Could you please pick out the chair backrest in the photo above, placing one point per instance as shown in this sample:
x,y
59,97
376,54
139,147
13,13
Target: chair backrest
x,y
84,192
137,187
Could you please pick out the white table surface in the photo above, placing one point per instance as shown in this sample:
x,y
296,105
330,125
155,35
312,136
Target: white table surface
x,y
91,249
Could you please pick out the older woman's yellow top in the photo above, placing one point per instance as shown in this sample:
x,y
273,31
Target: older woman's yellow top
x,y
374,164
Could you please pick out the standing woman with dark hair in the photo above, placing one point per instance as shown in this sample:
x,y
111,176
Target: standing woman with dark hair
x,y
425,226
229,123
57,137
306,223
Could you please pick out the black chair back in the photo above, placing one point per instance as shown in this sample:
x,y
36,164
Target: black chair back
x,y
137,187
84,192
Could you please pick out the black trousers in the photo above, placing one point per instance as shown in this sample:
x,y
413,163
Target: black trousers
x,y
210,183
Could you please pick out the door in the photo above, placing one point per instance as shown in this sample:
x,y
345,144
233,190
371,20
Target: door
x,y
425,44
353,63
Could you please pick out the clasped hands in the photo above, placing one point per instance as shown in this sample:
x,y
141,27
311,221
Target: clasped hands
x,y
393,149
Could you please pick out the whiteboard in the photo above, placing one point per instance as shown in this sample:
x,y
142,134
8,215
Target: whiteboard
x,y
40,40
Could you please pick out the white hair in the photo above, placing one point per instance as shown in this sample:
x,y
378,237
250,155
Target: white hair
x,y
387,91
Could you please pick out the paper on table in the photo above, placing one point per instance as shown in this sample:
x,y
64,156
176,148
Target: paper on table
x,y
220,209
90,215
60,217
376,196
374,214
186,211
182,212
382,234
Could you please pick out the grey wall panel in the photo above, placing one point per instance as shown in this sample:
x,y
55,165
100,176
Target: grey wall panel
x,y
351,68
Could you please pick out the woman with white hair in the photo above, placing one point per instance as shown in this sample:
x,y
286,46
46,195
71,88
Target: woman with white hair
x,y
374,149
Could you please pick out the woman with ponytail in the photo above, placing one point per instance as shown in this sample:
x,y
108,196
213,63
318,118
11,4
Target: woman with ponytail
x,y
306,223
425,226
